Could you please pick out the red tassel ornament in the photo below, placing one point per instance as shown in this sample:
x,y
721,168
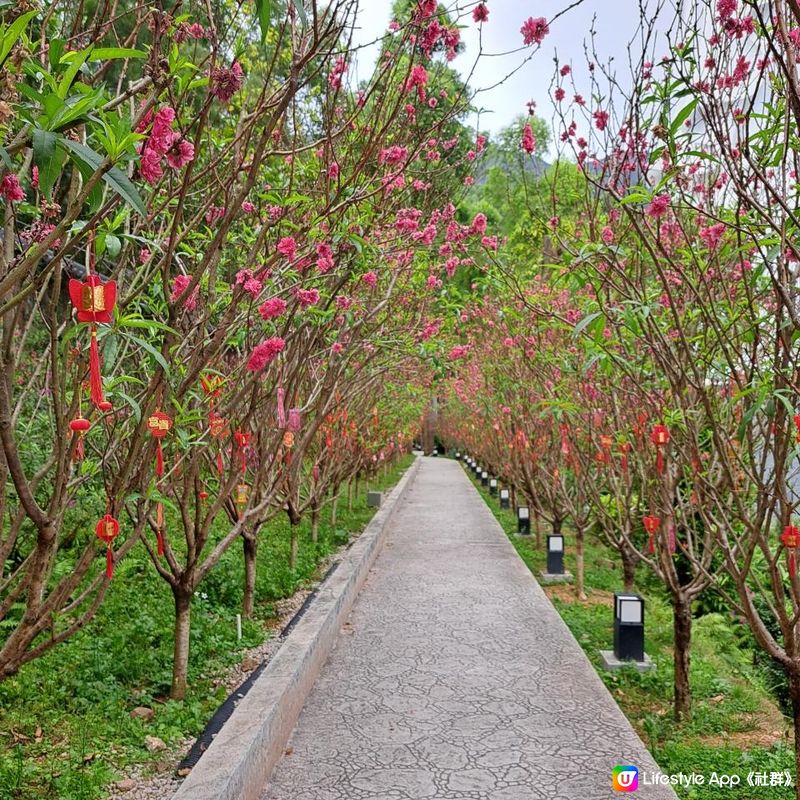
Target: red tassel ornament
x,y
159,424
94,301
791,541
107,529
79,426
651,524
660,438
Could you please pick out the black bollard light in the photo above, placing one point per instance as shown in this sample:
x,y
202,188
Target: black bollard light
x,y
484,478
505,498
493,486
628,627
555,554
523,520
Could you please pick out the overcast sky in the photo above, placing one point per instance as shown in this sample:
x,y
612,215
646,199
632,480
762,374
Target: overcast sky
x,y
615,23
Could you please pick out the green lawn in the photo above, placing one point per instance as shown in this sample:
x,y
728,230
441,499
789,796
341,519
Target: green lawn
x,y
736,726
65,725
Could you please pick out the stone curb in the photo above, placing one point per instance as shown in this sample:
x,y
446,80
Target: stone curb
x,y
242,756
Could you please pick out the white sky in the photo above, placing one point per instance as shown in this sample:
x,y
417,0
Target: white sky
x,y
615,23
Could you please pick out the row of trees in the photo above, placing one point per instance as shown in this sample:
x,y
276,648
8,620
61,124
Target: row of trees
x,y
641,377
220,271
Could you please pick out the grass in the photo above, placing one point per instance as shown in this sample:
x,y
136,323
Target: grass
x,y
735,727
65,725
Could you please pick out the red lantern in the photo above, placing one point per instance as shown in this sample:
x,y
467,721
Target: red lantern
x,y
94,301
791,541
107,529
79,426
651,525
159,425
660,438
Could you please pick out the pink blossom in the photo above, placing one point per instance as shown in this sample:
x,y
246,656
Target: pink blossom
x,y
144,255
418,78
253,287
600,120
264,353
272,308
333,171
712,235
459,351
490,242
370,278
528,139
478,224
180,284
35,176
336,348
658,207
324,257
11,189
393,155
288,247
480,13
162,135
559,94
508,341
307,297
608,235
565,70
214,213
226,82
150,166
469,180
534,30
248,207
180,152
343,302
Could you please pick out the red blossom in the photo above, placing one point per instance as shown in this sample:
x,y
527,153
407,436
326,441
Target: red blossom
x,y
528,139
272,308
11,189
288,247
264,353
226,82
480,13
534,30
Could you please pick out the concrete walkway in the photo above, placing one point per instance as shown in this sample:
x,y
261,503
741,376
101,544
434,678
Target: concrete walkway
x,y
455,678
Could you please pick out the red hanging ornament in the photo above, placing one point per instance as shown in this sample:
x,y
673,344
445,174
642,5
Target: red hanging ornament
x,y
160,527
212,385
797,428
94,301
651,525
107,529
791,541
242,441
242,496
218,426
79,426
660,438
159,425
564,440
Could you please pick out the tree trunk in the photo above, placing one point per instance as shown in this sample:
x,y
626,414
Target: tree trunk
x,y
250,546
334,507
580,589
350,495
628,569
537,524
794,691
294,545
180,660
315,523
682,624
557,523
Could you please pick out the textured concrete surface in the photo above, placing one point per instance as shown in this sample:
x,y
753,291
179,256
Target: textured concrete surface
x,y
243,754
455,678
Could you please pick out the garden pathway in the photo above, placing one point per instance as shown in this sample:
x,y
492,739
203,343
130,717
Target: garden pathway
x,y
455,678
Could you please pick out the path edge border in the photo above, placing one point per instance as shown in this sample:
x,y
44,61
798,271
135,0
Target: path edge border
x,y
240,760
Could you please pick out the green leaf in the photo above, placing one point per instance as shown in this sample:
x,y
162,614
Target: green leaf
x,y
47,158
585,322
12,33
135,407
682,116
153,352
109,53
117,180
75,63
263,11
301,12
